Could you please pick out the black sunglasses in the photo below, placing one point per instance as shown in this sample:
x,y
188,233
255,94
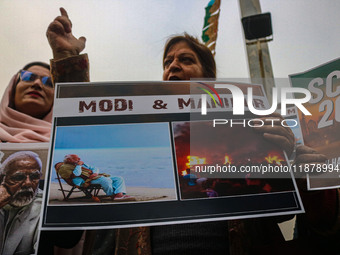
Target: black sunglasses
x,y
19,177
29,76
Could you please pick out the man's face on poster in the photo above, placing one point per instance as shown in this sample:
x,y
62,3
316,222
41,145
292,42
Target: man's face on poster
x,y
22,181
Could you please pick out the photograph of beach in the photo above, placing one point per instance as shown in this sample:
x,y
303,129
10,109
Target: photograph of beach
x,y
140,153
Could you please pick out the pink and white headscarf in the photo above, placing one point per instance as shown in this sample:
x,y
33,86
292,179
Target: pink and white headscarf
x,y
17,127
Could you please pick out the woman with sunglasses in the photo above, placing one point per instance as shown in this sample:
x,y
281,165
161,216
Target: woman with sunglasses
x,y
26,115
26,105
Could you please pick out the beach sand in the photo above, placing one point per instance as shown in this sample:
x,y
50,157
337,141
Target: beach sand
x,y
140,193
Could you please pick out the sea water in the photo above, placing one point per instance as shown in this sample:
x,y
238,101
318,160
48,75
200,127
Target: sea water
x,y
140,167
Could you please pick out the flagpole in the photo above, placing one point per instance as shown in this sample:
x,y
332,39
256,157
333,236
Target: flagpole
x,y
260,67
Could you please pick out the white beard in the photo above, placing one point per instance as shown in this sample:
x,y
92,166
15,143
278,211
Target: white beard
x,y
18,200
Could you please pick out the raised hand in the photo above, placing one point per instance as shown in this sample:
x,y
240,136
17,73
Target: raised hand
x,y
5,196
61,39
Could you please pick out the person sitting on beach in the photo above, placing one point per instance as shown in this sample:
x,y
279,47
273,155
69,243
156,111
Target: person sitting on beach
x,y
83,175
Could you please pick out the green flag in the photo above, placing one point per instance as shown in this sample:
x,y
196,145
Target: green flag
x,y
210,27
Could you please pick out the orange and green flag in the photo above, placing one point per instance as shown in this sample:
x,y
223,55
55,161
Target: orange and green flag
x,y
210,27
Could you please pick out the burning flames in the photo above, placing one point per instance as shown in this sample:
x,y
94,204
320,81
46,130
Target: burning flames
x,y
194,160
184,172
227,160
273,159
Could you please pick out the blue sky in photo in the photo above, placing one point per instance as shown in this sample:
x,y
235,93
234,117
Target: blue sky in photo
x,y
113,136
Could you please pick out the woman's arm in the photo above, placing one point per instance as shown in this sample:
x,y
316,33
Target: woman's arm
x,y
67,65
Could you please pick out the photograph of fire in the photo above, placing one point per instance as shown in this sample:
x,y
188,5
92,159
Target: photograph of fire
x,y
227,161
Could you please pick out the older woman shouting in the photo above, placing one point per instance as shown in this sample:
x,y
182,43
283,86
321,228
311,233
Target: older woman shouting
x,y
184,58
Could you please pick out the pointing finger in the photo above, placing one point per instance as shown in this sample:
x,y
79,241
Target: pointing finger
x,y
63,12
65,22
